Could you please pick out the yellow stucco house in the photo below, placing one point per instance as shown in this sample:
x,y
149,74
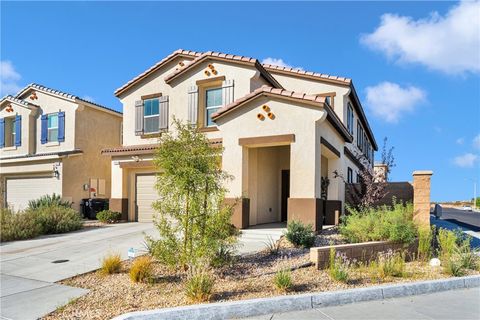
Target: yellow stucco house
x,y
50,142
282,130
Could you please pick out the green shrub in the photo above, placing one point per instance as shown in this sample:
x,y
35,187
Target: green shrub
x,y
18,225
57,219
283,280
225,256
49,201
111,263
272,246
454,266
108,216
425,237
142,270
377,224
300,235
391,264
339,266
199,285
447,243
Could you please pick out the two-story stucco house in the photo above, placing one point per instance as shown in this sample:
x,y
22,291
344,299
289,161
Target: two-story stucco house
x,y
281,129
50,142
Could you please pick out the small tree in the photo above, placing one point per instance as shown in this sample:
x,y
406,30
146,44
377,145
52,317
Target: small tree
x,y
192,219
371,187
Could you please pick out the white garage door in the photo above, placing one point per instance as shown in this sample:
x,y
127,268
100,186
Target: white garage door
x,y
146,195
21,190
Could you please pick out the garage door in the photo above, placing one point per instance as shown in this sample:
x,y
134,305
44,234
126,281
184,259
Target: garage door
x,y
146,195
21,190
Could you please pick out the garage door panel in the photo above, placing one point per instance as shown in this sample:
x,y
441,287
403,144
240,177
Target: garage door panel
x,y
19,191
146,195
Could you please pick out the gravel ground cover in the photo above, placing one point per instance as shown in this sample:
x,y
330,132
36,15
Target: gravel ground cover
x,y
251,276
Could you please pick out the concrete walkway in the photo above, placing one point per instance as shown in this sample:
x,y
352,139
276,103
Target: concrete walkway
x,y
30,268
449,305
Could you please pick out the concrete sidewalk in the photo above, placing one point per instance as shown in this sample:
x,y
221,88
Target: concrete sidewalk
x,y
449,305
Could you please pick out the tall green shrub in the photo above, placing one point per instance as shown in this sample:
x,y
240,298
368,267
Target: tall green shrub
x,y
382,223
57,219
18,225
300,235
192,218
49,201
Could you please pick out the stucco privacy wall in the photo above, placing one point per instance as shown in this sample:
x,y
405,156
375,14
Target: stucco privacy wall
x,y
177,91
290,117
28,121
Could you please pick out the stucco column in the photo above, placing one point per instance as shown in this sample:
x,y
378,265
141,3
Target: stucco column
x,y
421,197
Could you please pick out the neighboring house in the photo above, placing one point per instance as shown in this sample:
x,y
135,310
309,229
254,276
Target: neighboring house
x,y
50,142
282,130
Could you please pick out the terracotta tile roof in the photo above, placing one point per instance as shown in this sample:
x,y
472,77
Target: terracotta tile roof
x,y
332,117
19,101
225,56
300,72
158,65
62,94
270,91
142,148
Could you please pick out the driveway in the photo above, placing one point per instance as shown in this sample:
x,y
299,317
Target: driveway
x,y
30,268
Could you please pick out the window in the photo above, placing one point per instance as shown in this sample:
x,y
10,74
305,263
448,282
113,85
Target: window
x,y
350,118
360,136
213,102
9,132
52,131
349,175
151,115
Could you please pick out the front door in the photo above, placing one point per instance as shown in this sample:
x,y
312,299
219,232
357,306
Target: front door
x,y
285,192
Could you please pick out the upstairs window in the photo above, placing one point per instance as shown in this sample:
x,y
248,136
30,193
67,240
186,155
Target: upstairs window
x,y
212,104
52,127
360,136
8,132
350,118
349,175
151,115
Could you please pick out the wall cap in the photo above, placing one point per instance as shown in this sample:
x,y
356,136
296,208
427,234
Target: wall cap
x,y
422,173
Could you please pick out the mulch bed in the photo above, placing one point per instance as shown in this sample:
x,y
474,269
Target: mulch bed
x,y
250,277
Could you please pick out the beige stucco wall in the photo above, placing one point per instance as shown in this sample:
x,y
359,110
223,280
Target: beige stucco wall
x,y
28,121
177,91
289,119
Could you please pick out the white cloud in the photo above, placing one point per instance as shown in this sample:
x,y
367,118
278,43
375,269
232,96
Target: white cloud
x,y
460,140
9,78
476,142
389,101
467,160
449,43
279,62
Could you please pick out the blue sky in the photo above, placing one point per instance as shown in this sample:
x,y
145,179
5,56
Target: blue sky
x,y
415,65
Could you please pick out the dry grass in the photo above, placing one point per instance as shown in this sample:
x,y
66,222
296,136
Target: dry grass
x,y
142,270
111,263
251,277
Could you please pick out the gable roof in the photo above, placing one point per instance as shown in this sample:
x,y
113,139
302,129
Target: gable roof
x,y
155,67
307,74
210,55
18,101
288,95
64,95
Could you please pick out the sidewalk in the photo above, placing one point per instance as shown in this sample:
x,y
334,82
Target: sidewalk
x,y
451,305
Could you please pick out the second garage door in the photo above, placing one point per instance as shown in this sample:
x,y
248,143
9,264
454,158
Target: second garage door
x,y
146,195
21,190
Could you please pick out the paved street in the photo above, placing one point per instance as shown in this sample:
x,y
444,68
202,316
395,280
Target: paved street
x,y
450,305
467,219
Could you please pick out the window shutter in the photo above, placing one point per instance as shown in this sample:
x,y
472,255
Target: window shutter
x,y
2,132
163,112
61,126
44,128
193,104
227,92
18,131
138,117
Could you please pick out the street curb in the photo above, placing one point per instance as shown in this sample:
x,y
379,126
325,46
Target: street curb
x,y
257,307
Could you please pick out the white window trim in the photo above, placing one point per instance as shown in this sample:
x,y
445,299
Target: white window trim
x,y
211,107
150,116
52,128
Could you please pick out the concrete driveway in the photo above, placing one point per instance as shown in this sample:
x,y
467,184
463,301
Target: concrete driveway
x,y
29,268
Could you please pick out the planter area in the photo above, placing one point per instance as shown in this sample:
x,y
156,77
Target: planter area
x,y
248,277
